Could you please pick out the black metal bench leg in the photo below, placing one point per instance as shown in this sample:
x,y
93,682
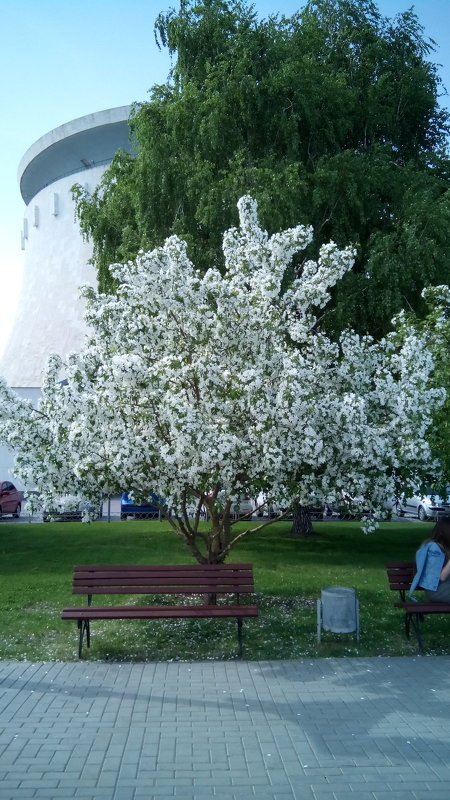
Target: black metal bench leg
x,y
80,636
239,627
83,625
416,621
407,624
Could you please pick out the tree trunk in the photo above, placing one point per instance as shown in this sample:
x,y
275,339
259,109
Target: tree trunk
x,y
220,530
301,523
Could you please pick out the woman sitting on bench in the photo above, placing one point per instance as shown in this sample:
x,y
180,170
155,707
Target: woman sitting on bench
x,y
433,565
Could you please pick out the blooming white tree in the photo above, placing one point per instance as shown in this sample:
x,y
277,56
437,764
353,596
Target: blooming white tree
x,y
204,388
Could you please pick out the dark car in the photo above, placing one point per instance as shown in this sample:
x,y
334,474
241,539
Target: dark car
x,y
11,499
146,510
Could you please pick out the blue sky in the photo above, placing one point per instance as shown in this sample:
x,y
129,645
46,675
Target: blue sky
x,y
62,59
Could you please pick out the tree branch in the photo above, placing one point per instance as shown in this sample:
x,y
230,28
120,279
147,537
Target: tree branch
x,y
252,530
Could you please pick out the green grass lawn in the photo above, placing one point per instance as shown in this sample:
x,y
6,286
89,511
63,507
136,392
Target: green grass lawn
x,y
36,569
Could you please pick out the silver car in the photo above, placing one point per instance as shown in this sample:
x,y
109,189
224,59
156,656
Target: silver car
x,y
242,509
425,506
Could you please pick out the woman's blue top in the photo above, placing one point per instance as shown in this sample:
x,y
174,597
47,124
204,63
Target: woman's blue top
x,y
429,562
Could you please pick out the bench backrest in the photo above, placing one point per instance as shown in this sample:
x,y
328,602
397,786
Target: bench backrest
x,y
400,575
163,579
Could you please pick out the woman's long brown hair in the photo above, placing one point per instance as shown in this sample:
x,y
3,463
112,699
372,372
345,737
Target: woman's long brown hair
x,y
441,535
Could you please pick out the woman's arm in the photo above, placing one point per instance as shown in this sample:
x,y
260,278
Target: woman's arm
x,y
445,571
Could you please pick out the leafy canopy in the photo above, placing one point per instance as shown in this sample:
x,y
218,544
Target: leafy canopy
x,y
434,329
330,116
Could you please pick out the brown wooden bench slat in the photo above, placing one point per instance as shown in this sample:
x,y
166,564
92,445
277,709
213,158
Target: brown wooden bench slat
x,y
158,612
188,569
145,580
138,587
180,577
399,586
424,608
141,579
227,577
400,576
196,578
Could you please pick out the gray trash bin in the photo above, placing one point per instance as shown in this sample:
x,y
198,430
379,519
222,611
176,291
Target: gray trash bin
x,y
338,611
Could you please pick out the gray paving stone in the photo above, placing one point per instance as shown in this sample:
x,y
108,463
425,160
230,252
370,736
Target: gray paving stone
x,y
359,795
399,794
44,783
124,794
313,730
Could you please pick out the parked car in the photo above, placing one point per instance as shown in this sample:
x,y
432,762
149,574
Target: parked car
x,y
274,509
262,508
425,506
348,508
243,509
146,510
70,508
11,499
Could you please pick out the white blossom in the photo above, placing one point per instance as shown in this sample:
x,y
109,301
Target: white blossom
x,y
205,388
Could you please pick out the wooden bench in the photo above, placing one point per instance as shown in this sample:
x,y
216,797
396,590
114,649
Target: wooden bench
x,y
221,580
400,575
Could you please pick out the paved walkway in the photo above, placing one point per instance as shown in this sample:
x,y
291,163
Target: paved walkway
x,y
334,729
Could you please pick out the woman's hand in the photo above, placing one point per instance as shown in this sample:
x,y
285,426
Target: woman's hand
x,y
445,571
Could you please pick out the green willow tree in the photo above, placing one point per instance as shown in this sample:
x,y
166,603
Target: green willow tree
x,y
330,117
435,328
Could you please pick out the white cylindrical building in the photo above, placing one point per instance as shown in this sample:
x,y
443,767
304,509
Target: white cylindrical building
x,y
49,317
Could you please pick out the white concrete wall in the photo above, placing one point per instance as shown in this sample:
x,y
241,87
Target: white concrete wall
x,y
49,316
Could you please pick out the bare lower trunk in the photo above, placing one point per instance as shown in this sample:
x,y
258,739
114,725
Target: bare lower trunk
x,y
301,523
218,536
